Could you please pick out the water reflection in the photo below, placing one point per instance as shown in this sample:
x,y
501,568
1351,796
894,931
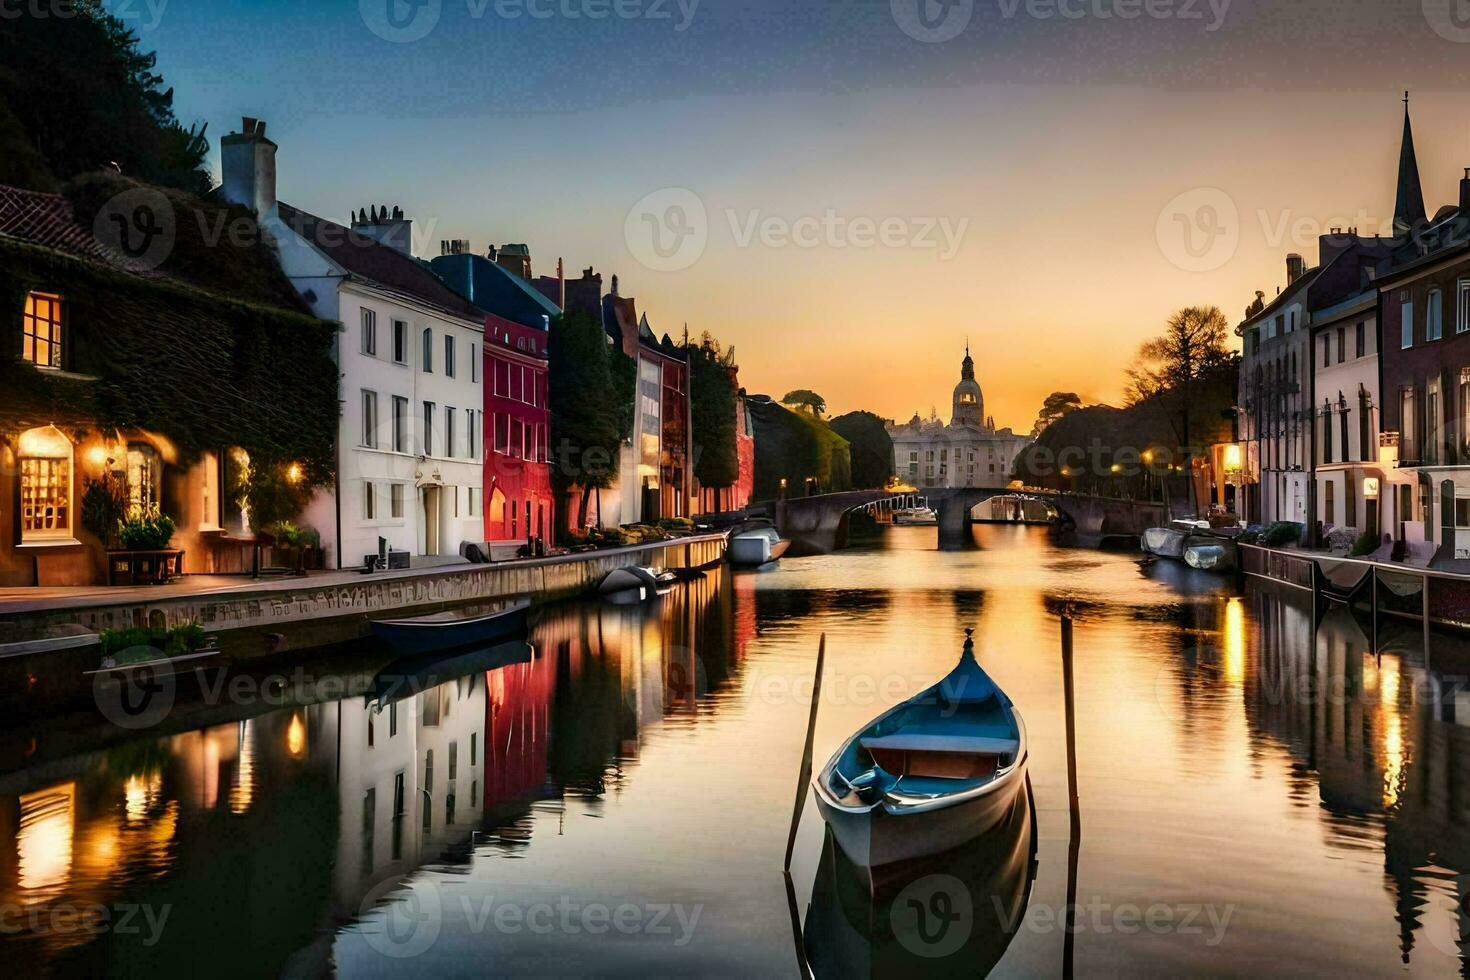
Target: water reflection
x,y
1233,755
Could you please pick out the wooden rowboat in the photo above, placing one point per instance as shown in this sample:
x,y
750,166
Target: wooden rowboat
x,y
929,774
452,630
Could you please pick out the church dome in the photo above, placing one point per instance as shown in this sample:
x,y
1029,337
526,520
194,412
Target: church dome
x,y
969,401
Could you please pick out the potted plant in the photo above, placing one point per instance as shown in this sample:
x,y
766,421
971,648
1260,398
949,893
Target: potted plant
x,y
149,531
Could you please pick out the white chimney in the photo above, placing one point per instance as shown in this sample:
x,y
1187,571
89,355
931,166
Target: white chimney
x,y
386,228
248,160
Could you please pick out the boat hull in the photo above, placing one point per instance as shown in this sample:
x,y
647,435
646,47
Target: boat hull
x,y
1211,555
883,835
757,549
410,637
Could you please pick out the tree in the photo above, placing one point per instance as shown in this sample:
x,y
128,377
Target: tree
x,y
1170,369
87,98
1057,404
581,397
712,409
807,399
871,448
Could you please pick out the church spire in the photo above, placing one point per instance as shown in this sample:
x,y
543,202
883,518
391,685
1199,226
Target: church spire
x,y
1408,208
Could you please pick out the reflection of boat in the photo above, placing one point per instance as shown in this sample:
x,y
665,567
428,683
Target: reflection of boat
x,y
915,515
928,774
1343,581
645,583
408,676
979,891
758,546
452,630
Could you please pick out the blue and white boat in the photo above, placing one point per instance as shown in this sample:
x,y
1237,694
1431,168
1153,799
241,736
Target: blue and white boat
x,y
929,774
452,630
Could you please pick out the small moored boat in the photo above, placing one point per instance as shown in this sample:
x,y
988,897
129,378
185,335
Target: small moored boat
x,y
759,546
929,774
635,580
452,630
915,515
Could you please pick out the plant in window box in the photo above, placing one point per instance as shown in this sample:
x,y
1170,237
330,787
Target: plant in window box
x,y
299,547
130,647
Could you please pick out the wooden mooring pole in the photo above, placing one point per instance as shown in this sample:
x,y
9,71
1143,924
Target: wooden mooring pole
x,y
806,755
1074,847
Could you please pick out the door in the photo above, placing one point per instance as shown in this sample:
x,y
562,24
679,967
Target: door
x,y
431,520
1405,508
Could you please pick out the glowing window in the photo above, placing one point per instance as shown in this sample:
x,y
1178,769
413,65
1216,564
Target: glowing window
x,y
45,485
41,330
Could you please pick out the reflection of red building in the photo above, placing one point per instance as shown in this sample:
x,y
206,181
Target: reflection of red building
x,y
517,729
518,500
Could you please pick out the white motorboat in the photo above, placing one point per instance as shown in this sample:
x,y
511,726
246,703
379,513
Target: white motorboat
x,y
915,515
756,547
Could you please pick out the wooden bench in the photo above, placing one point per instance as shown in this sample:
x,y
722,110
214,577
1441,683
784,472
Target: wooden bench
x,y
143,567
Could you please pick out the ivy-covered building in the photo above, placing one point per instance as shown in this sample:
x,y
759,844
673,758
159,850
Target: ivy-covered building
x,y
170,371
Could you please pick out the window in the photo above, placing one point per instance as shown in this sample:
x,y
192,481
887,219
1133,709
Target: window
x,y
1362,339
474,366
400,424
472,444
1327,433
428,447
1465,410
427,366
395,500
45,485
1462,306
1329,502
1406,320
369,419
1406,424
369,501
1434,316
1326,351
1341,344
400,342
1462,512
1430,450
448,356
449,431
143,477
474,504
41,330
369,333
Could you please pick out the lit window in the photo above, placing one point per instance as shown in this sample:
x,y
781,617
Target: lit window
x,y
45,485
144,470
41,330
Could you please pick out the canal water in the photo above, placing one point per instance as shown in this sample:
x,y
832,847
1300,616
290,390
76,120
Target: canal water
x,y
1256,795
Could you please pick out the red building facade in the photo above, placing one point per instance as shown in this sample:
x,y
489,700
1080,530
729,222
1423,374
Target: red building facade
x,y
519,507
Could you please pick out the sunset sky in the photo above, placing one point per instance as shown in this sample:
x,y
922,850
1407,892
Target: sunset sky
x,y
1067,149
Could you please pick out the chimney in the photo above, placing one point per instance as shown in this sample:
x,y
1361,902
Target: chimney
x,y
390,229
455,246
1295,266
615,285
1465,191
248,161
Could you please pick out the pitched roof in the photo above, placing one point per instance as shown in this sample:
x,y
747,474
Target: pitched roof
x,y
365,258
494,289
49,221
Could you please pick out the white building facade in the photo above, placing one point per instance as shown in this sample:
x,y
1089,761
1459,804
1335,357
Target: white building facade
x,y
967,452
410,440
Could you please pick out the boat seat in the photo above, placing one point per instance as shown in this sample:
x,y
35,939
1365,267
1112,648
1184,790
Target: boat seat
x,y
937,742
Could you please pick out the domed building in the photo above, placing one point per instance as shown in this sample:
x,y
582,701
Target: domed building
x,y
967,452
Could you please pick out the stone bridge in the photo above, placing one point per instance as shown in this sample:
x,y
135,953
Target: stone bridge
x,y
819,524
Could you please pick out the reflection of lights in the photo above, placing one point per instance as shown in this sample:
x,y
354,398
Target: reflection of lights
x,y
242,787
135,795
1393,729
44,840
296,736
1235,641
